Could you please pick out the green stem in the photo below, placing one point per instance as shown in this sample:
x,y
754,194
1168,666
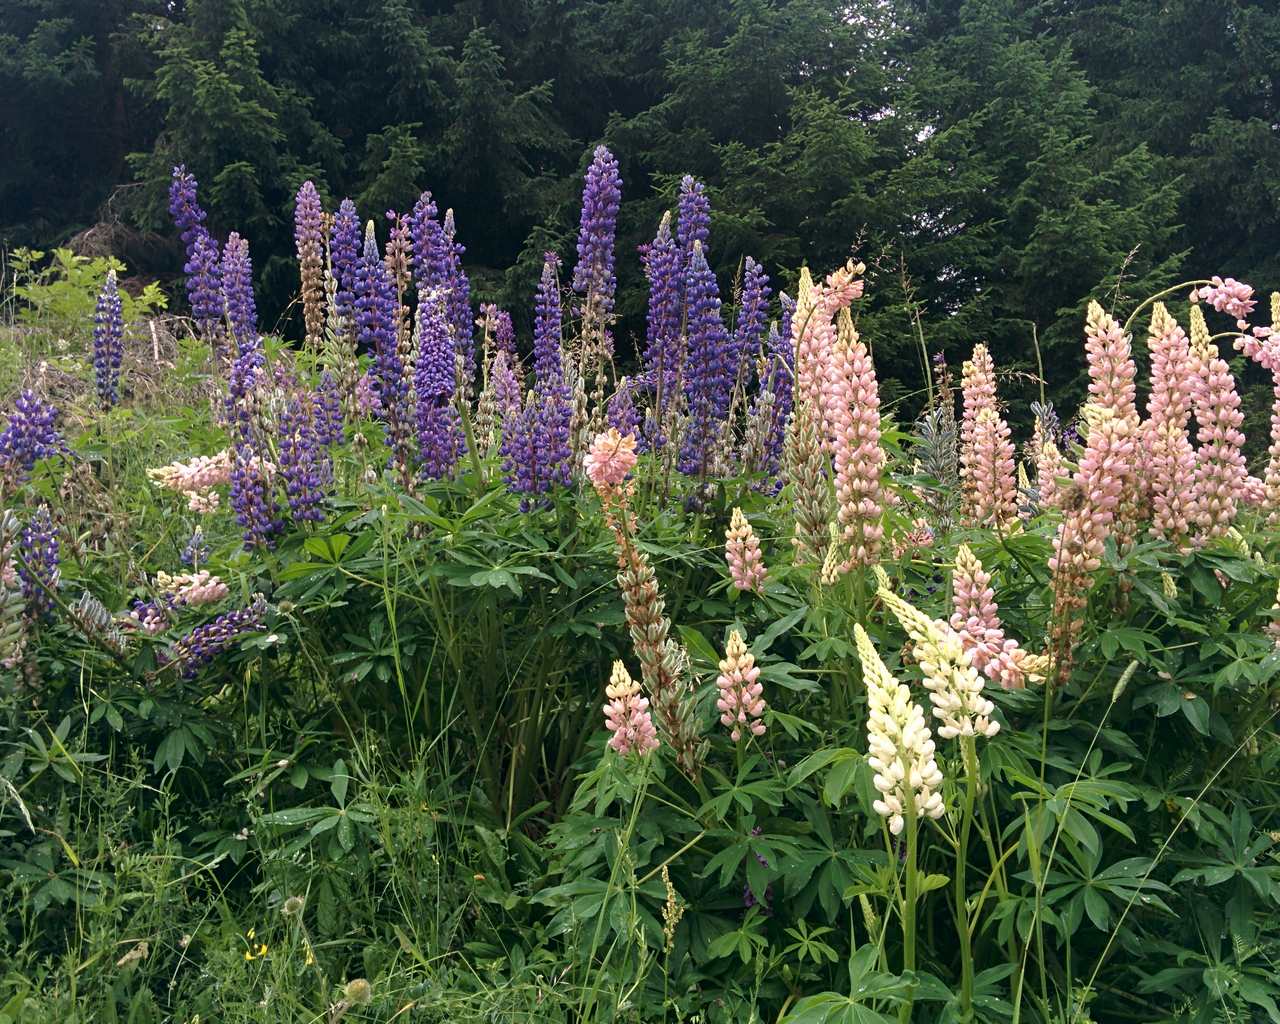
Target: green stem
x,y
968,748
909,904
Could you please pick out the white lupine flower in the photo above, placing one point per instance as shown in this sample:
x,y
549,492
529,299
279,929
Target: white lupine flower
x,y
900,749
954,685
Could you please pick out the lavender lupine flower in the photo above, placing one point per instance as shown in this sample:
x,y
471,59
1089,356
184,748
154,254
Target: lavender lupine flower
x,y
237,286
753,312
184,207
376,326
694,223
709,377
308,237
344,253
204,643
38,570
504,334
505,385
622,413
204,289
108,342
148,616
30,436
437,269
196,551
664,353
522,459
594,277
303,463
327,410
366,397
434,385
548,362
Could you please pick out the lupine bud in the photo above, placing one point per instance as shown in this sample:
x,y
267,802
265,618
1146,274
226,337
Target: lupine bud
x,y
742,552
626,715
108,342
740,703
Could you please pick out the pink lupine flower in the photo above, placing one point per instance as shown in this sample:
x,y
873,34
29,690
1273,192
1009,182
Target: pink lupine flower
x,y
742,552
977,621
192,589
626,715
197,474
920,536
202,502
1112,372
814,331
1099,485
740,702
610,458
1227,295
1253,494
1264,349
1170,458
1220,468
989,469
859,459
978,392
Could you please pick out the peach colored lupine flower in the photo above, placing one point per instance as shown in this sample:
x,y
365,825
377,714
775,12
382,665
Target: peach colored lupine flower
x,y
976,618
197,474
626,715
814,332
920,536
1098,485
1171,460
1220,465
954,685
742,552
900,748
988,470
978,392
610,458
740,702
1253,493
1264,349
854,401
202,502
1113,385
1049,466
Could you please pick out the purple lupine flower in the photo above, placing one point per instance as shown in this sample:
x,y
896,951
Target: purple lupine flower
x,y
253,497
304,464
437,270
506,386
344,254
594,277
30,436
788,311
308,239
149,616
548,361
709,375
197,550
38,570
753,317
461,319
366,397
204,288
184,207
237,286
664,353
694,218
204,643
622,413
327,408
778,370
376,312
108,342
434,385
522,466
504,334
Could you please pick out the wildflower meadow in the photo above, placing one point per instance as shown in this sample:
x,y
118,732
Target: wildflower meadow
x,y
426,660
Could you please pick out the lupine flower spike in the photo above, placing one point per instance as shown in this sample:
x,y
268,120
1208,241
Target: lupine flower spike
x,y
626,715
108,342
742,552
977,622
740,703
1220,465
955,688
900,748
308,236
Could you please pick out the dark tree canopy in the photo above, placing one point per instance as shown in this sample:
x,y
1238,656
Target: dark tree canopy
x,y
997,162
